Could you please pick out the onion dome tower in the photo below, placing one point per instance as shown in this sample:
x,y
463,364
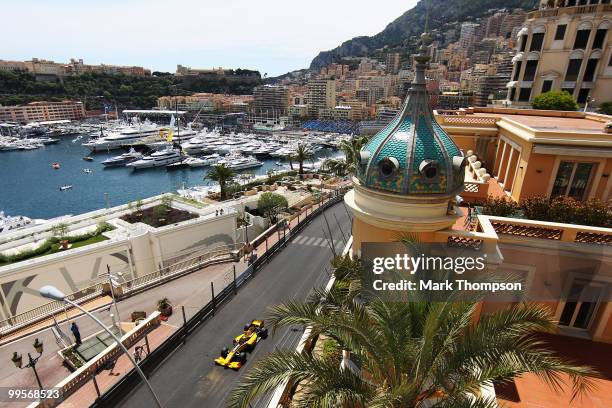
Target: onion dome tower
x,y
411,171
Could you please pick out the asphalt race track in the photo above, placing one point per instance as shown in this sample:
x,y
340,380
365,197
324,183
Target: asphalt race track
x,y
189,378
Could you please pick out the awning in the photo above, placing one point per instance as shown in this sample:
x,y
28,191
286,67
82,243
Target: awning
x,y
583,151
511,84
523,31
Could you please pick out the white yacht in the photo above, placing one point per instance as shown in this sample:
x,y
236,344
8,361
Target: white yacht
x,y
124,137
203,161
196,145
240,162
157,159
8,223
123,159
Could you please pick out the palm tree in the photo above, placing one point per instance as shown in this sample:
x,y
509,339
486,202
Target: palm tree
x,y
336,166
351,150
302,153
410,353
221,174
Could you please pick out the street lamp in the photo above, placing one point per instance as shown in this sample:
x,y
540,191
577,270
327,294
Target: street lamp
x,y
17,359
51,292
113,281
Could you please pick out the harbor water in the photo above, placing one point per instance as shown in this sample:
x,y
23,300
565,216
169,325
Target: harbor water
x,y
29,185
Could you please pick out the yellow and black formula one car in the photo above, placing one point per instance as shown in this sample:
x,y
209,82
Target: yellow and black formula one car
x,y
235,357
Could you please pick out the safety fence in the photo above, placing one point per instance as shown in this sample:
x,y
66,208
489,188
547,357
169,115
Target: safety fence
x,y
126,384
194,262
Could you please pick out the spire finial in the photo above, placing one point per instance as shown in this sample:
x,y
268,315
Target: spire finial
x,y
427,8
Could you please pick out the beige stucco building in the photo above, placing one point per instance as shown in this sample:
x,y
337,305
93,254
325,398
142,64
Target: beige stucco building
x,y
566,45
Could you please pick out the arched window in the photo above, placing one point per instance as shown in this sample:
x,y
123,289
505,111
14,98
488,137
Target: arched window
x,y
573,67
591,67
537,38
582,35
531,66
600,34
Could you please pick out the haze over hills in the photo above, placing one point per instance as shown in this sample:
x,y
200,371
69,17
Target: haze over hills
x,y
412,23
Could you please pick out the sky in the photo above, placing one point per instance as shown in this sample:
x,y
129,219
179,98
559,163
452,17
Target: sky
x,y
272,36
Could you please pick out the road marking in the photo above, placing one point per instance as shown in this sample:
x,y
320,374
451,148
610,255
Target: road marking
x,y
317,242
310,241
299,239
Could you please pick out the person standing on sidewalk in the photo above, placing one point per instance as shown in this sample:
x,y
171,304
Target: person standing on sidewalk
x,y
77,334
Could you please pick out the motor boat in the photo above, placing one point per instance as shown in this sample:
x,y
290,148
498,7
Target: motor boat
x,y
124,137
123,159
158,159
196,145
203,161
240,162
56,166
66,187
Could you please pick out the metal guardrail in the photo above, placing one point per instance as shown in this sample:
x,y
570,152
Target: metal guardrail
x,y
42,312
125,385
180,267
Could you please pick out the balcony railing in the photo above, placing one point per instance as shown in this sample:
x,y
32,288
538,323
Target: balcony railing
x,y
586,9
552,231
466,120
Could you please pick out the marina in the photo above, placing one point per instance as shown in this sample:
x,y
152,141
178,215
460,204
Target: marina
x,y
67,177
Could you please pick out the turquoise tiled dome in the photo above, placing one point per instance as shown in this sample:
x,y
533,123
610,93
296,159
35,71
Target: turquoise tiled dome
x,y
413,154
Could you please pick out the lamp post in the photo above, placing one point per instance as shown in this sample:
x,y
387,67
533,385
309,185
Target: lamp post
x,y
112,281
51,292
17,359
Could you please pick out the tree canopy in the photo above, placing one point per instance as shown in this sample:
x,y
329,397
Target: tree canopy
x,y
126,91
555,100
271,205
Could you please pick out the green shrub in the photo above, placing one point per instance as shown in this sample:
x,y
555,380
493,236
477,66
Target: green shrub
x,y
49,243
536,208
567,210
605,108
499,207
596,213
555,100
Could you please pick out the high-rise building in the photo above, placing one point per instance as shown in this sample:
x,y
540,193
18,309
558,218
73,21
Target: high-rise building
x,y
271,100
321,94
468,36
564,48
490,88
511,21
493,24
393,63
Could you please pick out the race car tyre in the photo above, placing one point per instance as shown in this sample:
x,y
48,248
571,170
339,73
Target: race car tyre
x,y
240,357
224,352
263,333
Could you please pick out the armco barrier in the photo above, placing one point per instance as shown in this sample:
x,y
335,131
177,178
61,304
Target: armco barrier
x,y
113,396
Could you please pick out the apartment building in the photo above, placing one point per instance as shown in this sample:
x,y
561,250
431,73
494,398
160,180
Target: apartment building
x,y
453,100
469,36
43,111
321,95
564,46
393,63
271,100
12,66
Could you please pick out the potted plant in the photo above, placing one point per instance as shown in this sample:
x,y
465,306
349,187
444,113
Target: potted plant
x,y
164,306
